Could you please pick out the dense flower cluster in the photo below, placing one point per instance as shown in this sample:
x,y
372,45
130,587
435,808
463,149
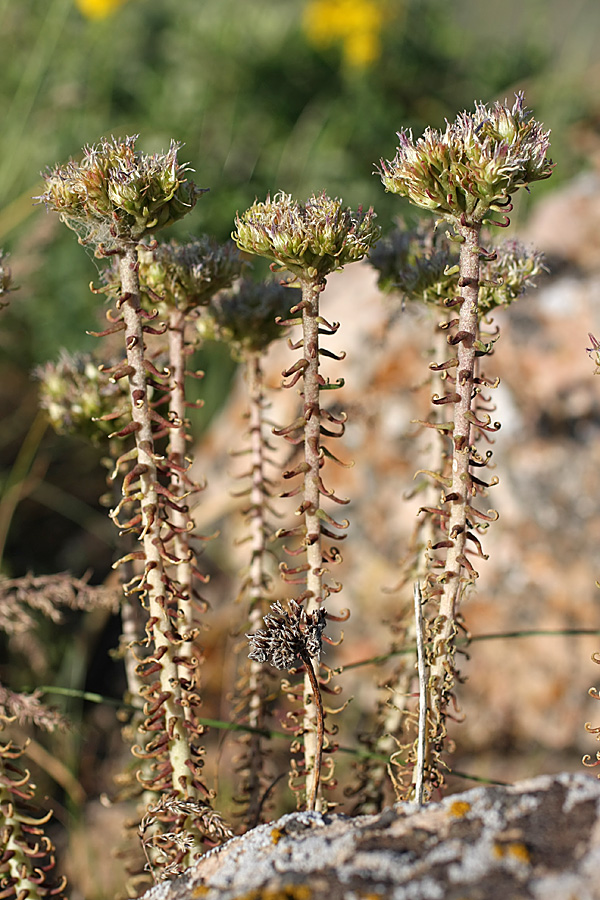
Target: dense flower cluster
x,y
188,275
416,264
245,317
474,165
288,636
76,395
308,239
421,268
505,278
116,193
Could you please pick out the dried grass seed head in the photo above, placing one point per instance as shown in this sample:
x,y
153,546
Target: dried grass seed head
x,y
474,165
310,239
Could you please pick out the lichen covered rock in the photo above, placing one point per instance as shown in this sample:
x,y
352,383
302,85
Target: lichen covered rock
x,y
536,839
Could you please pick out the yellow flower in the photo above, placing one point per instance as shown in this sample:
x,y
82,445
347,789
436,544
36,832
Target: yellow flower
x,y
356,24
98,9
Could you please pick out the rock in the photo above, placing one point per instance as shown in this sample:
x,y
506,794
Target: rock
x,y
537,839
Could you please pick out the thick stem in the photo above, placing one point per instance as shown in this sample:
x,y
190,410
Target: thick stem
x,y
258,575
312,802
461,489
311,290
155,577
177,455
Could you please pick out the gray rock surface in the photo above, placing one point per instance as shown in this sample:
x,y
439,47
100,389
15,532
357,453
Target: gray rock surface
x,y
537,839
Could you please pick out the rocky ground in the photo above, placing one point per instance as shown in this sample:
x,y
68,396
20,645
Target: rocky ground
x,y
539,839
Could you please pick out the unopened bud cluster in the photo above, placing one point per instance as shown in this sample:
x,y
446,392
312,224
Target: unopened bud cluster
x,y
188,275
309,239
474,165
116,193
288,635
245,317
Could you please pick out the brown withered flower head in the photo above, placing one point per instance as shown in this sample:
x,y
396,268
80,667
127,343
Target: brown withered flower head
x,y
288,635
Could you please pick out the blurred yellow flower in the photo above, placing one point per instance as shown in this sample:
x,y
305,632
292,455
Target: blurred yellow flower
x,y
98,9
356,24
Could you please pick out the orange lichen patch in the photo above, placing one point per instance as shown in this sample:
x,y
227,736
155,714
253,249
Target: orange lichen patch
x,y
200,890
287,892
459,809
519,851
276,835
515,849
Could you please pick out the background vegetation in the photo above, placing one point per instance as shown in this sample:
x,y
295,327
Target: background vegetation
x,y
294,95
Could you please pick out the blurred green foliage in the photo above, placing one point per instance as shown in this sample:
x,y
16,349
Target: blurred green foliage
x,y
258,105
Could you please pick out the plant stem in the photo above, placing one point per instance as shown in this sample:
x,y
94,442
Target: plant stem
x,y
419,772
155,578
461,490
258,576
312,802
178,486
311,290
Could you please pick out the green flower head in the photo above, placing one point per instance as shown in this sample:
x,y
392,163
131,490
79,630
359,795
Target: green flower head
x,y
473,166
308,239
505,278
76,394
6,285
188,275
245,317
116,194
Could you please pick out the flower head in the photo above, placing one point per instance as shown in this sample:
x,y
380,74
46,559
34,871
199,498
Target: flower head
x,y
6,285
309,239
416,264
188,275
76,394
288,636
474,165
116,194
509,275
245,317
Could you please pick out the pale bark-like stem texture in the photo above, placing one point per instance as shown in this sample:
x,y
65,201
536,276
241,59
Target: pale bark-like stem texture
x,y
179,484
258,580
311,290
461,490
155,580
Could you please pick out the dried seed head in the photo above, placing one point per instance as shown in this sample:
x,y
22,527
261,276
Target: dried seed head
x,y
188,275
288,635
309,239
474,165
116,194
